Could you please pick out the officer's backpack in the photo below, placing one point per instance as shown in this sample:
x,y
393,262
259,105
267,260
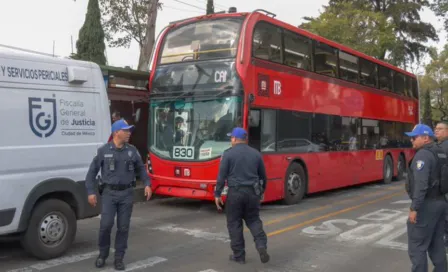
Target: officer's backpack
x,y
442,168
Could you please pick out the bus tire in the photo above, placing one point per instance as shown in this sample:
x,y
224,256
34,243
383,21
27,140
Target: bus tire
x,y
401,168
388,170
295,184
51,229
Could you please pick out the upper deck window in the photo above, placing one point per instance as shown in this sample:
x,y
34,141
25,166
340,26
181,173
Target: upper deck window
x,y
202,40
325,59
267,42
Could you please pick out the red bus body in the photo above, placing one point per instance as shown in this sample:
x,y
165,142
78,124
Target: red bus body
x,y
325,131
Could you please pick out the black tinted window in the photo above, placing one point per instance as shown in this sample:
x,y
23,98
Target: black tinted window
x,y
368,74
385,78
297,51
325,59
267,42
348,67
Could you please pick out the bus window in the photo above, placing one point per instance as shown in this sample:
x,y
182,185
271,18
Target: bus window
x,y
415,88
408,88
267,42
385,78
348,67
254,129
368,76
325,59
294,132
204,40
268,130
297,51
399,84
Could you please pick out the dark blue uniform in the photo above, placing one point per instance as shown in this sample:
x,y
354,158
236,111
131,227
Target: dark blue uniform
x,y
426,235
444,146
118,167
242,167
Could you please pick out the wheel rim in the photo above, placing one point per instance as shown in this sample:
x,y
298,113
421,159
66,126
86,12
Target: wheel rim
x,y
52,229
294,183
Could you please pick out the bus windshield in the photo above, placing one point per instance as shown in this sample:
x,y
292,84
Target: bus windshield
x,y
203,40
194,130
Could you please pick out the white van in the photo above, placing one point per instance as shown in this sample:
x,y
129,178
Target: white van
x,y
54,115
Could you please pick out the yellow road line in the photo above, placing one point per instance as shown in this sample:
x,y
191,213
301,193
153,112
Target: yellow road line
x,y
280,219
292,227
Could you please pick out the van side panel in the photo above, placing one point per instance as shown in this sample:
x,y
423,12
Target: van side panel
x,y
53,128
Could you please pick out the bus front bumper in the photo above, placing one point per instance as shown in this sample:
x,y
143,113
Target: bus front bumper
x,y
185,188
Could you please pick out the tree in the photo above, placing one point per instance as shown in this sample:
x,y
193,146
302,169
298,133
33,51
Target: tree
x,y
440,7
403,16
90,44
127,20
435,81
427,115
210,7
366,31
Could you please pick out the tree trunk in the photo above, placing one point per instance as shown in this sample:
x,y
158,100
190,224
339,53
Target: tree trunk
x,y
148,43
210,7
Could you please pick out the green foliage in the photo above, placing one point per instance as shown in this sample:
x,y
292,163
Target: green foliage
x,y
125,20
90,45
399,17
427,115
435,82
440,7
363,30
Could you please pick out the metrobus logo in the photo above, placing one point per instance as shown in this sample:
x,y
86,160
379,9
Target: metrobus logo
x,y
277,87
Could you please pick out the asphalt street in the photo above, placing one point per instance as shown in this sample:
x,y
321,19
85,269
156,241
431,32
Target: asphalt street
x,y
356,229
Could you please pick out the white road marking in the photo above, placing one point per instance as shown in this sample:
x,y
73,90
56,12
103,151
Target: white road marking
x,y
209,270
406,201
140,264
56,262
197,233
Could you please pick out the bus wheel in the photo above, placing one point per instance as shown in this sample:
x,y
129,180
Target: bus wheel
x,y
295,184
51,229
388,170
401,168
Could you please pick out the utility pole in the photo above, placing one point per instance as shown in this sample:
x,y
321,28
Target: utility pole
x,y
210,7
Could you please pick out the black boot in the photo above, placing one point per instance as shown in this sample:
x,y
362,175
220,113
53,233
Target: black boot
x,y
264,256
100,262
119,265
237,260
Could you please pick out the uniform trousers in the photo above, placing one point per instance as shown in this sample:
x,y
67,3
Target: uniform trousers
x,y
118,203
425,237
243,203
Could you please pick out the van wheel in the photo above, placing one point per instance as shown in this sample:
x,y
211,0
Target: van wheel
x,y
51,229
295,184
401,168
388,170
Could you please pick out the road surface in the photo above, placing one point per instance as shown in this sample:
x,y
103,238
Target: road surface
x,y
356,229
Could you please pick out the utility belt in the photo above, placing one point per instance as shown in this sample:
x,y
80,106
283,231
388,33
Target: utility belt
x,y
116,187
255,188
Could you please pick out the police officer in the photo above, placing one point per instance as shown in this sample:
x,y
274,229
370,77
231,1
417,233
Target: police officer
x,y
441,132
243,168
118,162
425,225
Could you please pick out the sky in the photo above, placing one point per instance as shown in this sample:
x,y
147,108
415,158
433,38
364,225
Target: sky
x,y
39,24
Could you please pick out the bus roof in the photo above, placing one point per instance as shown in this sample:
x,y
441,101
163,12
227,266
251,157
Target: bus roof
x,y
294,29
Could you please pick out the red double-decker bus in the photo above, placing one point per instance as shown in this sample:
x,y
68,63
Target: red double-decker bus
x,y
324,116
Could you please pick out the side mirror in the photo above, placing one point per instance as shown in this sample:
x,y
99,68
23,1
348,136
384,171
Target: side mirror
x,y
137,115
